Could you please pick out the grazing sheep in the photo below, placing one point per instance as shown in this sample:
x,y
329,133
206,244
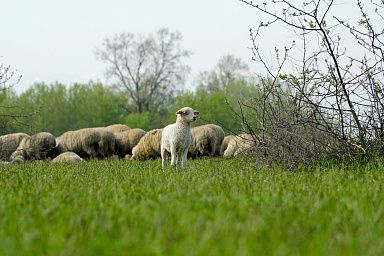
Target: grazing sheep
x,y
177,137
117,128
107,142
207,140
84,142
225,142
9,143
67,157
126,140
148,146
88,142
39,146
16,160
241,144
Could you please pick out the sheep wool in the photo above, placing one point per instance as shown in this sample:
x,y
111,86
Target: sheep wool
x,y
107,142
241,144
207,140
225,142
126,140
148,146
39,146
67,157
84,142
117,128
9,143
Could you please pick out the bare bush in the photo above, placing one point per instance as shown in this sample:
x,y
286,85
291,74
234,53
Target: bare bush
x,y
322,96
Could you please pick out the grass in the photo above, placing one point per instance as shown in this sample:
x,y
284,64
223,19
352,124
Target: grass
x,y
212,207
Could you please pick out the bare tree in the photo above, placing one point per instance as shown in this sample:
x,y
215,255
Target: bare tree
x,y
7,77
333,94
10,114
228,69
149,68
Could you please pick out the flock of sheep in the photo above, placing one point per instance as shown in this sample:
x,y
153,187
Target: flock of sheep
x,y
116,140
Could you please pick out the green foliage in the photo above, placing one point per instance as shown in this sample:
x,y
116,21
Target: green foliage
x,y
219,106
139,120
60,108
10,114
211,207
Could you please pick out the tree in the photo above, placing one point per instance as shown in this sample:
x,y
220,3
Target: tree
x,y
332,89
227,70
148,68
218,106
10,114
60,108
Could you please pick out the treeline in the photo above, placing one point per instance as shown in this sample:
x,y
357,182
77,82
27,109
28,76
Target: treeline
x,y
57,108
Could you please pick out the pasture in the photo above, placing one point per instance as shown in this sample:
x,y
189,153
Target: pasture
x,y
211,207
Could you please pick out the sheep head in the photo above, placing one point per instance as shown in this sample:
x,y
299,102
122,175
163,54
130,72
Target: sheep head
x,y
187,114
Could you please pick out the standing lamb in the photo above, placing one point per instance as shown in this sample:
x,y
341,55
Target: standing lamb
x,y
9,143
177,137
37,147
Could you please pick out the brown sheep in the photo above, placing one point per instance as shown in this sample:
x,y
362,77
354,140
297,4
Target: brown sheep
x,y
117,128
126,140
224,145
241,144
148,146
67,157
84,142
39,146
9,143
207,140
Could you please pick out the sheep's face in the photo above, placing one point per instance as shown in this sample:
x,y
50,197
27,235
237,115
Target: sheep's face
x,y
187,114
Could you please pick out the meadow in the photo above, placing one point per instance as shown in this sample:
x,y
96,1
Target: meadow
x,y
211,207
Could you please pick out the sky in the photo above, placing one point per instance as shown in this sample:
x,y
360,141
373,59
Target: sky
x,y
51,40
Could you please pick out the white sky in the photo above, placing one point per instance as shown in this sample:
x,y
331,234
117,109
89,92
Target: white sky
x,y
51,40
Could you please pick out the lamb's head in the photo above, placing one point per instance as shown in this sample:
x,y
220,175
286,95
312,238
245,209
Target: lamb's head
x,y
187,114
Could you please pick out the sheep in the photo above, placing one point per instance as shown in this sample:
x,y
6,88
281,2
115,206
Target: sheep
x,y
88,142
36,147
207,140
67,157
9,143
117,128
225,142
148,146
177,137
241,144
16,160
126,140
84,142
107,142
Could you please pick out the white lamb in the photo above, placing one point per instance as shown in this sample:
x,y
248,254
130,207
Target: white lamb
x,y
177,137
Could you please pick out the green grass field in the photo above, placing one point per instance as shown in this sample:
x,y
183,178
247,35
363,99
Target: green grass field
x,y
212,207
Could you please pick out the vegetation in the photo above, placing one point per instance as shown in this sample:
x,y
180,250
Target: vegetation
x,y
332,67
57,108
215,207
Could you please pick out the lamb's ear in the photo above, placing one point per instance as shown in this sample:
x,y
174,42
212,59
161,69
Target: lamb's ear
x,y
181,112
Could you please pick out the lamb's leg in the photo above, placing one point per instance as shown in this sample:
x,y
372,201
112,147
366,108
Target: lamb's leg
x,y
184,158
162,151
173,155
